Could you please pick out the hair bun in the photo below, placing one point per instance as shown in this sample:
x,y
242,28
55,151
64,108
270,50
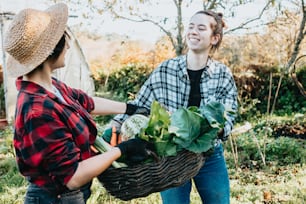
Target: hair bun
x,y
220,14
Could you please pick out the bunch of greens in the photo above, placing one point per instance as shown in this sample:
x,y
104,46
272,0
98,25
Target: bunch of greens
x,y
190,128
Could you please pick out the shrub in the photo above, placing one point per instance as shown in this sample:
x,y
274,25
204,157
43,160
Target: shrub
x,y
126,82
286,151
253,87
280,150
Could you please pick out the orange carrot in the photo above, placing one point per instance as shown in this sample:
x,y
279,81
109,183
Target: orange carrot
x,y
113,141
94,149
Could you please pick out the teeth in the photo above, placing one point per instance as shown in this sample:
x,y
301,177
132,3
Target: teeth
x,y
193,40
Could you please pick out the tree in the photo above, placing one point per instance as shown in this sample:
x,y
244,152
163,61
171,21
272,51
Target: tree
x,y
296,49
173,28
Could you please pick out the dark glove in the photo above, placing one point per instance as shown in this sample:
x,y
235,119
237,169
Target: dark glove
x,y
132,109
135,150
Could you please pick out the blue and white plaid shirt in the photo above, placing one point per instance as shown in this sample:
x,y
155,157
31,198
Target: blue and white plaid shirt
x,y
169,84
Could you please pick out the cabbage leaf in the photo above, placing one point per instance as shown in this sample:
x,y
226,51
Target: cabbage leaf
x,y
194,129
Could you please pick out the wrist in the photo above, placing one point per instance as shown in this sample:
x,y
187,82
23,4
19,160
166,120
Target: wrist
x,y
117,151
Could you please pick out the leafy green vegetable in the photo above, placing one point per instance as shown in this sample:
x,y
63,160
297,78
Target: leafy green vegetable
x,y
204,142
196,129
133,125
190,128
157,131
186,126
159,121
214,112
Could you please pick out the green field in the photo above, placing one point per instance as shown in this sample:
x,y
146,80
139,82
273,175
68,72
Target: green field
x,y
263,168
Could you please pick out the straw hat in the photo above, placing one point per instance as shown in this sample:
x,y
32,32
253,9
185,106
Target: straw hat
x,y
32,36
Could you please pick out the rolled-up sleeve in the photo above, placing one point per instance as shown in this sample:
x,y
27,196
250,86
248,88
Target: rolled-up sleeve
x,y
49,145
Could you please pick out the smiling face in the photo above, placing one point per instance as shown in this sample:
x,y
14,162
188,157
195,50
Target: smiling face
x,y
199,35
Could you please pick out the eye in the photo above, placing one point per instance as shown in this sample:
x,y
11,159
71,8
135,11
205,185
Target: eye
x,y
202,28
190,26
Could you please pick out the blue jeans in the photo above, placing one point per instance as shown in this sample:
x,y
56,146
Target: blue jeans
x,y
37,195
212,183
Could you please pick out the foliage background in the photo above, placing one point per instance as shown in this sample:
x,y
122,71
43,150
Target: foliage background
x,y
267,163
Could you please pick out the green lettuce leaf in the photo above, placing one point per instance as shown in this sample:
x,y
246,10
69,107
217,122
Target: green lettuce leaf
x,y
157,131
186,125
214,112
159,121
190,128
204,142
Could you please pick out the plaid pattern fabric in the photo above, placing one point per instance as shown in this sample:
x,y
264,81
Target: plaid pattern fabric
x,y
52,136
169,85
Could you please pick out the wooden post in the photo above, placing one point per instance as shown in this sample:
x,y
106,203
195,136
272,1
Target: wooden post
x,y
4,16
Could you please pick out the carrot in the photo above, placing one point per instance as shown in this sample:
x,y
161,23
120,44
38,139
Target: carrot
x,y
94,149
113,141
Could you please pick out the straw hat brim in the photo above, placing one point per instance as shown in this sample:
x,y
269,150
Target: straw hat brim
x,y
54,32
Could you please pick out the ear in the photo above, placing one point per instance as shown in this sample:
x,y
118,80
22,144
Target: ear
x,y
215,39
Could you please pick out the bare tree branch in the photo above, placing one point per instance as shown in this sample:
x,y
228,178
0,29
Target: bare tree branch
x,y
299,39
142,20
295,53
295,79
242,25
209,5
177,41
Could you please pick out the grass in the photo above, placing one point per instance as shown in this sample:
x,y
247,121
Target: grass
x,y
281,180
275,185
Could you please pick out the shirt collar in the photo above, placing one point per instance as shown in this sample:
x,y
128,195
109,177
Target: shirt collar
x,y
210,66
183,66
32,88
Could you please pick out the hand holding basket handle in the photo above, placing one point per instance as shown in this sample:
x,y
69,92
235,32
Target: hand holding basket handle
x,y
135,150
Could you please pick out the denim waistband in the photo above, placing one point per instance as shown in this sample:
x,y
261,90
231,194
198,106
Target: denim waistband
x,y
33,188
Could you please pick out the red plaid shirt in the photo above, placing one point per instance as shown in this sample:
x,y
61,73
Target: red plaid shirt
x,y
52,136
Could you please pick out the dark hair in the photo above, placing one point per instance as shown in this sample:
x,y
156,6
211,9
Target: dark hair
x,y
56,51
58,48
216,28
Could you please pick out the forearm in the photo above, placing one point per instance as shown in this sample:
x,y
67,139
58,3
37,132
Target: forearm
x,y
92,167
105,106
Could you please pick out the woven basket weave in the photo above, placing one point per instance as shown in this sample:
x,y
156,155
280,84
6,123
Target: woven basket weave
x,y
141,180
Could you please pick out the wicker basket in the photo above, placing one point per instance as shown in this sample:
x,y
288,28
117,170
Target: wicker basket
x,y
141,180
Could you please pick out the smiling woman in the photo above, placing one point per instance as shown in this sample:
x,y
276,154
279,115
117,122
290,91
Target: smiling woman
x,y
175,85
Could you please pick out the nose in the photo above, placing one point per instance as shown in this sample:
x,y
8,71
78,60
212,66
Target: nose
x,y
193,30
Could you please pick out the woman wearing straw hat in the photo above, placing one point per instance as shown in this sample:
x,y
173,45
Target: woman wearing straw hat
x,y
53,126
